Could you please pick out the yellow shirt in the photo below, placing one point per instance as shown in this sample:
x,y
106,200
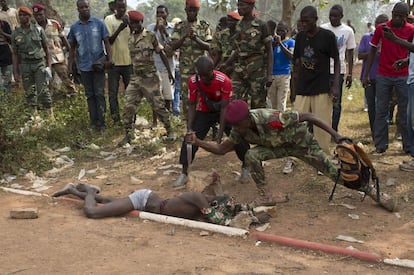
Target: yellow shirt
x,y
120,51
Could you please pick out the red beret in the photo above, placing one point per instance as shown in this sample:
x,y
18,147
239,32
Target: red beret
x,y
136,16
193,3
38,7
236,111
235,15
25,10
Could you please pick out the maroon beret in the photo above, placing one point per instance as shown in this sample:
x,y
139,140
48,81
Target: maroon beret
x,y
236,111
193,3
38,7
136,16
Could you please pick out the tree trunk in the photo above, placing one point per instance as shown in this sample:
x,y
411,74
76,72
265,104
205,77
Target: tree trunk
x,y
287,13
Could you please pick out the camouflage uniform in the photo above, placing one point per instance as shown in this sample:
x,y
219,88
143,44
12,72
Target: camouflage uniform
x,y
189,52
29,46
281,135
145,81
249,77
54,32
222,42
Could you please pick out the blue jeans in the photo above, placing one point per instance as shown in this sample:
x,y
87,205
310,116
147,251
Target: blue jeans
x,y
6,78
177,85
114,75
384,87
410,117
370,97
337,106
94,83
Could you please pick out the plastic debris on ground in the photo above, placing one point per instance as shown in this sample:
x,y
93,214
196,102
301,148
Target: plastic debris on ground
x,y
348,239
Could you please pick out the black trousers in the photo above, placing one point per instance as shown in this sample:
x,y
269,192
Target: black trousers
x,y
202,123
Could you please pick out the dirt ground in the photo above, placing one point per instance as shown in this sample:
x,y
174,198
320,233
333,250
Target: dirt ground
x,y
63,241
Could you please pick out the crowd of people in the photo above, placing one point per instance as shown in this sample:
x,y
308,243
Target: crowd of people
x,y
236,80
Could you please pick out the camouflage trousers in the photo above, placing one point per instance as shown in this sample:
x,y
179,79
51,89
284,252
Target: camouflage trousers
x,y
311,154
249,79
6,78
145,85
35,85
184,93
61,70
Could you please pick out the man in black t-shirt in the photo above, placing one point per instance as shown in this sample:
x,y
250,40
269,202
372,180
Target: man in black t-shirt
x,y
313,49
6,67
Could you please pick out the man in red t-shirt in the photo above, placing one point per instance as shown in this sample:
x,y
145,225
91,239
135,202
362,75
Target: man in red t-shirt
x,y
390,76
216,87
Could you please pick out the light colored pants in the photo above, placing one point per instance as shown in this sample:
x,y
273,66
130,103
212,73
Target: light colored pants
x,y
321,106
166,87
279,91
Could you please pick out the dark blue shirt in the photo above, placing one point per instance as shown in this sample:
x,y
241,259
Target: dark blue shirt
x,y
88,39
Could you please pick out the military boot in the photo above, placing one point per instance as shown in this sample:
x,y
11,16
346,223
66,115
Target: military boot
x,y
127,139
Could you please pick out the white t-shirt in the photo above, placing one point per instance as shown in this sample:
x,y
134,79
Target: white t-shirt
x,y
345,39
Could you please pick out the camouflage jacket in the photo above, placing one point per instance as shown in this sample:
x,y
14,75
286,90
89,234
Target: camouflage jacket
x,y
223,42
275,129
141,47
250,39
190,50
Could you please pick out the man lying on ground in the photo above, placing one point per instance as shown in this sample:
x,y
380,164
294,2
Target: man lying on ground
x,y
188,205
278,135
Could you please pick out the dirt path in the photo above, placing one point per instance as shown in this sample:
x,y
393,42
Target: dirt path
x,y
63,241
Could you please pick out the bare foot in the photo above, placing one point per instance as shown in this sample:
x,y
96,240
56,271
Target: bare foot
x,y
65,190
85,187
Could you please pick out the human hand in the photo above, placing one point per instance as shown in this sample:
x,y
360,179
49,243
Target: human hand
x,y
399,64
171,78
365,82
348,81
190,137
277,39
388,33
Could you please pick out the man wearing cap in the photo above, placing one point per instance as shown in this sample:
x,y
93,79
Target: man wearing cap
x,y
31,60
56,40
111,8
163,30
222,44
215,86
277,135
118,38
253,57
87,38
145,81
192,37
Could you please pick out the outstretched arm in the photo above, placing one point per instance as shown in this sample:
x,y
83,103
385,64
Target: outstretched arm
x,y
213,147
320,123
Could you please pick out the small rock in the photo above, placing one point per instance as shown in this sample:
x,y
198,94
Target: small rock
x,y
135,180
257,243
204,233
63,150
101,177
353,216
390,182
24,213
397,215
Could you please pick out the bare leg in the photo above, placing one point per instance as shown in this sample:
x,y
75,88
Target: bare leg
x,y
70,189
114,208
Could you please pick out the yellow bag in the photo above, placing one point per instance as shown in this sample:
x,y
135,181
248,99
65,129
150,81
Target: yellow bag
x,y
355,167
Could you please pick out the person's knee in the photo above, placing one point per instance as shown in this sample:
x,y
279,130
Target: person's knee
x,y
91,212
